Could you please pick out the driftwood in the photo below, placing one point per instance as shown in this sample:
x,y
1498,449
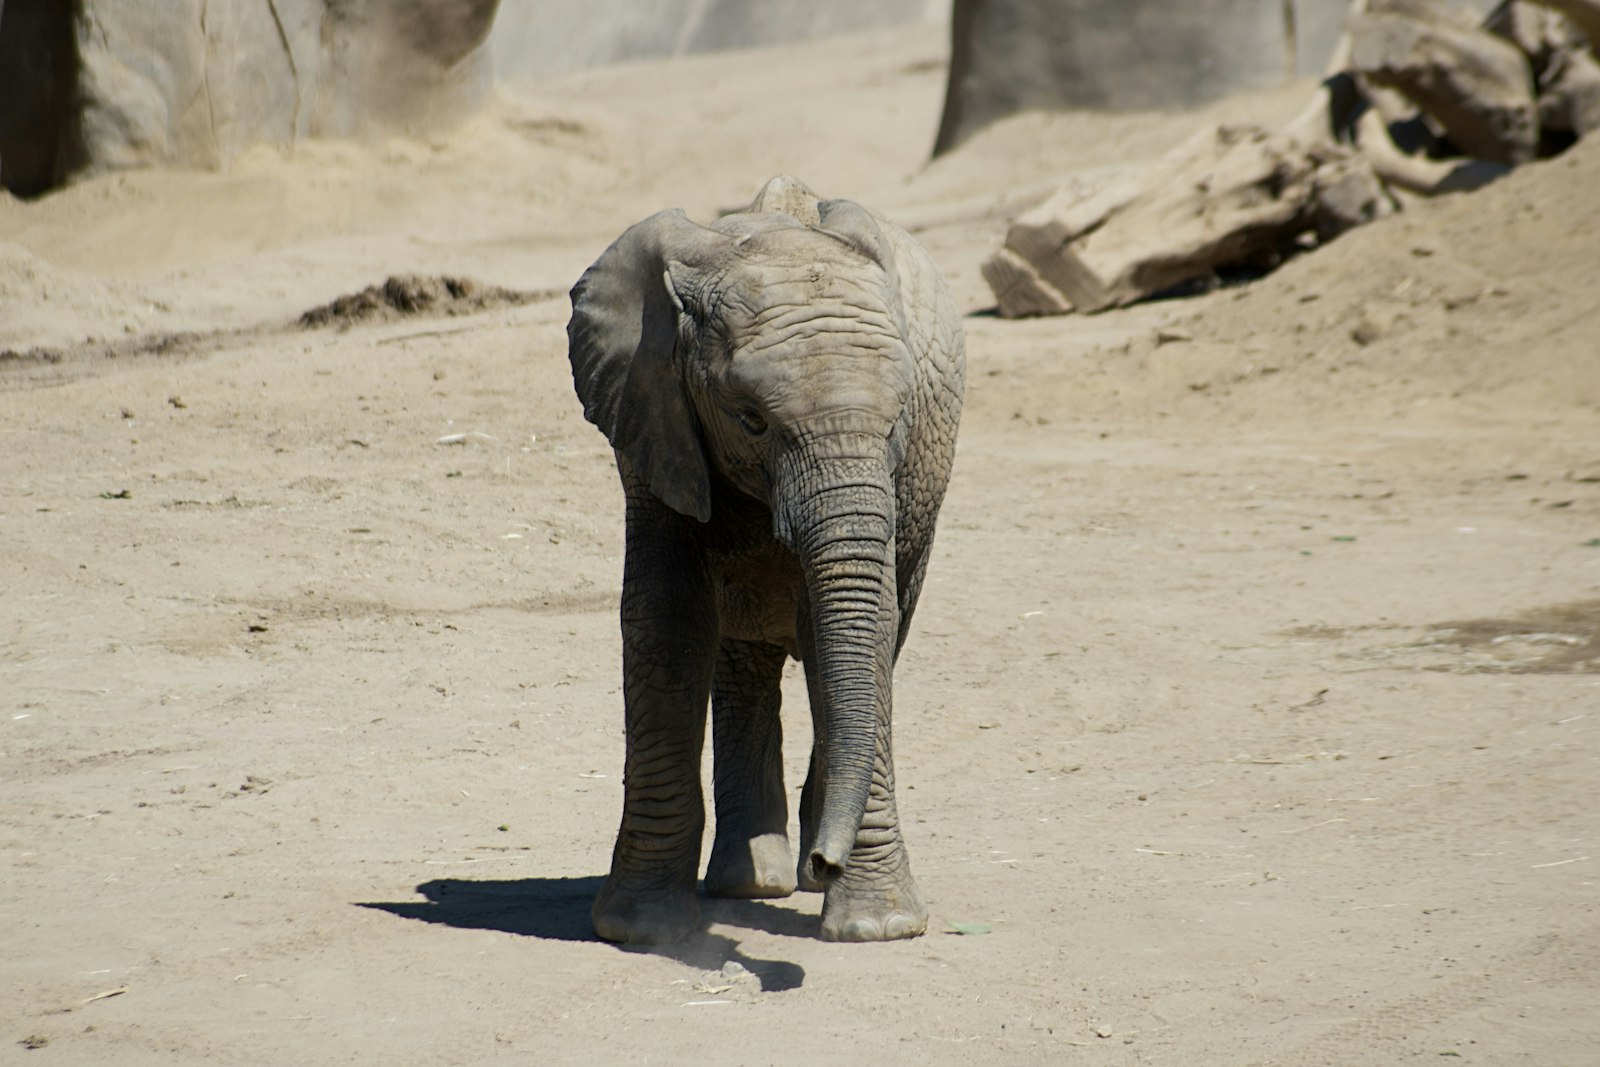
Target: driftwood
x,y
1227,196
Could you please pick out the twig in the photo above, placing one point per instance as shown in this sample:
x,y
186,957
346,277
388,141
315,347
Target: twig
x,y
422,333
1313,826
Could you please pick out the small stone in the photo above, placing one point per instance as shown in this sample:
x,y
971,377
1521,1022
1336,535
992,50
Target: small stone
x,y
1367,331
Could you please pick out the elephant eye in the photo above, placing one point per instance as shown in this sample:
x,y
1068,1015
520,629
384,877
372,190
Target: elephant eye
x,y
752,421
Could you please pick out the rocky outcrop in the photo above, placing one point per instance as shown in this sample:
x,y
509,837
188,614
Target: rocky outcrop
x,y
1015,55
533,37
195,82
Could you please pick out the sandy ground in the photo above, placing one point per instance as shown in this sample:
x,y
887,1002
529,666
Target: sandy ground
x,y
1252,705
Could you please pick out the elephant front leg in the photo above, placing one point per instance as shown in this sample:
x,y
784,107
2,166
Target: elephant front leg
x,y
750,856
876,899
668,645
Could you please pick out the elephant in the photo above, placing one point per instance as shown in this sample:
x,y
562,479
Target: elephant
x,y
781,389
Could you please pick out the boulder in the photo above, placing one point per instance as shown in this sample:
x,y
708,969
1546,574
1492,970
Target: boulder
x,y
1584,14
1569,94
1014,55
1475,85
1566,74
534,37
1232,195
196,82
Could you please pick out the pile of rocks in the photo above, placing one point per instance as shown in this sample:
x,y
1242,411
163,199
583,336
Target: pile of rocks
x,y
1418,101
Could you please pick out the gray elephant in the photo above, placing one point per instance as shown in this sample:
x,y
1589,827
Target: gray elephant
x,y
782,390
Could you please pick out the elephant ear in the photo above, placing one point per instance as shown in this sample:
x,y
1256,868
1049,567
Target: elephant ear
x,y
854,225
621,339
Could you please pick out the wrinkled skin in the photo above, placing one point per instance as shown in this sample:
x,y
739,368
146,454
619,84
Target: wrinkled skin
x,y
782,390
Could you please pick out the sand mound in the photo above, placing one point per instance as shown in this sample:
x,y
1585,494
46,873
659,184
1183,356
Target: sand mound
x,y
1465,297
407,295
44,306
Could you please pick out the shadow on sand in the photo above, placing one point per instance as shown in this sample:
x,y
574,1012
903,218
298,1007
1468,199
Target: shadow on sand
x,y
557,909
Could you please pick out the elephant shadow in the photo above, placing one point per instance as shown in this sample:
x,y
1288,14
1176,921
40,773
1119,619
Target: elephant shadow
x,y
557,909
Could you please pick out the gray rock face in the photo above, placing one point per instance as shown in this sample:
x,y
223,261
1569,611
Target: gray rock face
x,y
535,36
94,85
195,82
1016,55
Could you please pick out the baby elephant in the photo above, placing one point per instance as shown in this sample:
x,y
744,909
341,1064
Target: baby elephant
x,y
782,390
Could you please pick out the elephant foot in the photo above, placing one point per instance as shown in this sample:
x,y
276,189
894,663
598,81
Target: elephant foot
x,y
645,917
752,868
871,910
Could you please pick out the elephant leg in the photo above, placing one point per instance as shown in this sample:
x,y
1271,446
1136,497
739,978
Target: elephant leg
x,y
750,856
668,648
876,898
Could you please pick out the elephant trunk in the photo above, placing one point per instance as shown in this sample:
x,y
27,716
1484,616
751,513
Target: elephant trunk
x,y
838,515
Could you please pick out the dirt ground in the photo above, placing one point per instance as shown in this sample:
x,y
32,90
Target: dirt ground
x,y
1250,715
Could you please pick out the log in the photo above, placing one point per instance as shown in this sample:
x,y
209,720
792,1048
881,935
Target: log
x,y
1475,85
1230,195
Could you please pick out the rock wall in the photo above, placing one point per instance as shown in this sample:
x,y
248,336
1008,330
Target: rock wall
x,y
95,85
108,84
535,36
1016,55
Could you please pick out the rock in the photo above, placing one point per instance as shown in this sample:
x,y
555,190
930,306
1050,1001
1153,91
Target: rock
x,y
1536,31
1229,196
196,82
1012,55
1569,94
1585,15
1476,85
533,37
1565,71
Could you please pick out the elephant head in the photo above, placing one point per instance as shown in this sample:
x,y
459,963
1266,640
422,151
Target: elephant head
x,y
766,355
